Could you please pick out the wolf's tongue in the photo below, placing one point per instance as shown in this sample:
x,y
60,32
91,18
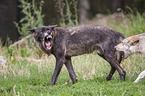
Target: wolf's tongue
x,y
48,45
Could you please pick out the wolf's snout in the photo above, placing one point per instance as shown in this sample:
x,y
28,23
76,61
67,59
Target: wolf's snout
x,y
47,41
48,38
45,34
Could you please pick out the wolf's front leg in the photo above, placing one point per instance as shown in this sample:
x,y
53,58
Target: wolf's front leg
x,y
58,66
70,69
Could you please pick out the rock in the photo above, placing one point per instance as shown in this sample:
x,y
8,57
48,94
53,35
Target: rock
x,y
3,62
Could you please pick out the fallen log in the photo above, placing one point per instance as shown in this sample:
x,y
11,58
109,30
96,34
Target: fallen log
x,y
19,42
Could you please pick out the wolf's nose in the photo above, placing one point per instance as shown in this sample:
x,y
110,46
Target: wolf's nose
x,y
45,34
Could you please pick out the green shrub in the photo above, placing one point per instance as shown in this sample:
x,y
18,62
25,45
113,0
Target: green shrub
x,y
32,16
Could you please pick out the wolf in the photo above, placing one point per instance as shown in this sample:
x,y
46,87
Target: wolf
x,y
133,45
65,42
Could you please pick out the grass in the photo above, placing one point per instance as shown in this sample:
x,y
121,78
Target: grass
x,y
28,71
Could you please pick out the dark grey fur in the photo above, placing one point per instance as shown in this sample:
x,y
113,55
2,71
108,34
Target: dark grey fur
x,y
72,41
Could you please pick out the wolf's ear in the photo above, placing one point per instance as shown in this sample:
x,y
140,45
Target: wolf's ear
x,y
53,26
32,30
134,42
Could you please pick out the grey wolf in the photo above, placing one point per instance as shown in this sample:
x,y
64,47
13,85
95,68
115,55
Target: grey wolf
x,y
65,42
133,45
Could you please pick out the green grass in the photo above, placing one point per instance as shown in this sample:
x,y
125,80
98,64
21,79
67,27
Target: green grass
x,y
29,72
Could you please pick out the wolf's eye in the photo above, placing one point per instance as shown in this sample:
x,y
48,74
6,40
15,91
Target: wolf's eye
x,y
48,29
50,33
38,39
43,29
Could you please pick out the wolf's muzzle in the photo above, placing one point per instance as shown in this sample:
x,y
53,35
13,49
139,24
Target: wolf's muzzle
x,y
47,41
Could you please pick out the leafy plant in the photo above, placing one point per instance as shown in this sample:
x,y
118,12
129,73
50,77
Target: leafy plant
x,y
32,16
68,12
132,24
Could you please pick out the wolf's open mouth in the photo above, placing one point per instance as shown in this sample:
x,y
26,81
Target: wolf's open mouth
x,y
47,42
124,55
